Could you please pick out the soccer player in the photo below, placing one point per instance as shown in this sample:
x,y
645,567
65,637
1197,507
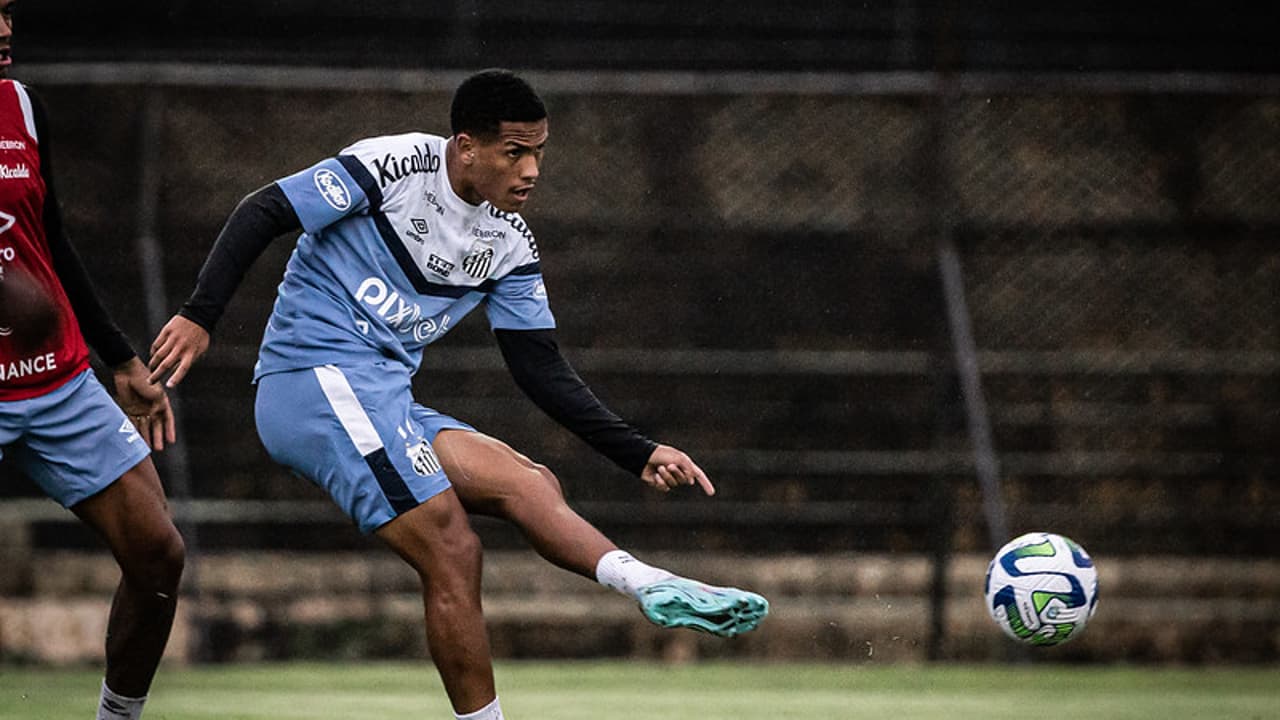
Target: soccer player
x,y
402,237
58,425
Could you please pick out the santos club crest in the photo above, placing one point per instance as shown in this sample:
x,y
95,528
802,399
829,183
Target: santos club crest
x,y
423,458
478,262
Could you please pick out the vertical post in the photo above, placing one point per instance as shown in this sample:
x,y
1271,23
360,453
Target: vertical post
x,y
977,416
177,470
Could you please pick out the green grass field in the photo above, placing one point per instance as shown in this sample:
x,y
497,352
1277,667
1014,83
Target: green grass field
x,y
718,691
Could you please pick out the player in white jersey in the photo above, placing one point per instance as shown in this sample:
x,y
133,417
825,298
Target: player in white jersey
x,y
402,237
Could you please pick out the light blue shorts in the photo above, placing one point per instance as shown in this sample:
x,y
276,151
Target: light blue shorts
x,y
357,433
73,442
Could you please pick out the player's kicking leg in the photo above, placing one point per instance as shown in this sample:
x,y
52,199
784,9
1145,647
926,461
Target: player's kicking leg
x,y
493,479
133,518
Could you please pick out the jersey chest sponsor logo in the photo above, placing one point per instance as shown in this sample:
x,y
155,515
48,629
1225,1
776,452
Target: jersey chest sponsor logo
x,y
332,189
11,144
20,171
28,365
439,265
391,167
7,254
402,316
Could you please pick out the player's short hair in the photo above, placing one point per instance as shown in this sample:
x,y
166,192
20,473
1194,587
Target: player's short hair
x,y
491,97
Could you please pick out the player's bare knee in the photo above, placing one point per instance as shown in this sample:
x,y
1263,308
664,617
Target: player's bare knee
x,y
549,481
537,490
452,576
156,562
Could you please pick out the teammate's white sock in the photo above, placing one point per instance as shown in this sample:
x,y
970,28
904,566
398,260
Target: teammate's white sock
x,y
118,707
492,711
618,570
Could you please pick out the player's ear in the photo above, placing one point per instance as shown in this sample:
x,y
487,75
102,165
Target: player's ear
x,y
466,147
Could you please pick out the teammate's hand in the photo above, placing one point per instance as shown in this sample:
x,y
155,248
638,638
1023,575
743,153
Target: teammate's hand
x,y
178,346
668,468
145,403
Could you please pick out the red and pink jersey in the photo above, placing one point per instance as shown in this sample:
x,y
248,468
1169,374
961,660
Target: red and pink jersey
x,y
27,372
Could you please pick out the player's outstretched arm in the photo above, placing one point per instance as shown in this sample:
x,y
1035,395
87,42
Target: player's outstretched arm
x,y
543,373
668,468
145,403
260,217
179,345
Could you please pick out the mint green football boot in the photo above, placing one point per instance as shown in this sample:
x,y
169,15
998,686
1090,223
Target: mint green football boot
x,y
683,603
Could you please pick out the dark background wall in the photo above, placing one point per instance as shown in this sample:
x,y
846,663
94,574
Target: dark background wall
x,y
649,34
751,271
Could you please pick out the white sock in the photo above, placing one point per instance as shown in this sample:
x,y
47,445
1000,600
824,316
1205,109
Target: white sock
x,y
618,570
118,707
492,711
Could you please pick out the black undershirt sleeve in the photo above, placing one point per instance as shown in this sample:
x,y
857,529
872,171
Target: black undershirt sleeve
x,y
534,359
100,332
260,218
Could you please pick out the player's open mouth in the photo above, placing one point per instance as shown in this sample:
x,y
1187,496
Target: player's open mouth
x,y
6,57
523,193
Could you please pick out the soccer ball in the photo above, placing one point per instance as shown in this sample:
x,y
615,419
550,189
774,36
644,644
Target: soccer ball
x,y
1041,589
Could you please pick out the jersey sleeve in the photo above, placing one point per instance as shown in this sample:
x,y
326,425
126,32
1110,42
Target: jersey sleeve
x,y
518,301
328,191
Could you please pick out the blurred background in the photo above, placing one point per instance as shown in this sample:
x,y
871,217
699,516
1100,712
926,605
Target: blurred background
x,y
906,278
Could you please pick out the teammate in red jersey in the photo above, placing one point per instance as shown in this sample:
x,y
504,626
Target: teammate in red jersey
x,y
58,425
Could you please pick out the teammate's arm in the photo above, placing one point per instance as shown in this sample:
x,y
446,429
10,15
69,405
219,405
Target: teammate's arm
x,y
146,404
259,218
543,373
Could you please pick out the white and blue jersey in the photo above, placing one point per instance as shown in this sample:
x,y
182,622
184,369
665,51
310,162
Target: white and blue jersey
x,y
391,259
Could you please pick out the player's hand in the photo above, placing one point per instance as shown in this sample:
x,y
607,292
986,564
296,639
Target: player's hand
x,y
145,403
178,346
668,468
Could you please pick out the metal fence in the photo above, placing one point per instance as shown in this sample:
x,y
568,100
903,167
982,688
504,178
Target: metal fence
x,y
1115,242
849,296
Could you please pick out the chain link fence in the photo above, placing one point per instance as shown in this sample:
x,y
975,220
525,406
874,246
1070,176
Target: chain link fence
x,y
1117,247
753,275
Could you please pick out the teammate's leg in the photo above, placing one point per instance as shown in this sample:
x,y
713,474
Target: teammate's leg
x,y
436,539
133,518
493,479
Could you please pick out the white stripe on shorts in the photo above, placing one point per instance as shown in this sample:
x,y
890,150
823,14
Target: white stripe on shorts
x,y
345,405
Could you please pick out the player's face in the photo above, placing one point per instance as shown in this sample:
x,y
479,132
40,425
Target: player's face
x,y
504,168
6,35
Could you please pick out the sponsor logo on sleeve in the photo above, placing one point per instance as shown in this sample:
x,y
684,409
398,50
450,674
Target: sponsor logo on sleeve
x,y
332,189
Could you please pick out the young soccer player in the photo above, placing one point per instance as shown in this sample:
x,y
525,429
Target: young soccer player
x,y
57,423
403,236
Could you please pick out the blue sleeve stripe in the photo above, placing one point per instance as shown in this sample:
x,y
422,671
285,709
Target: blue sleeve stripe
x,y
361,175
